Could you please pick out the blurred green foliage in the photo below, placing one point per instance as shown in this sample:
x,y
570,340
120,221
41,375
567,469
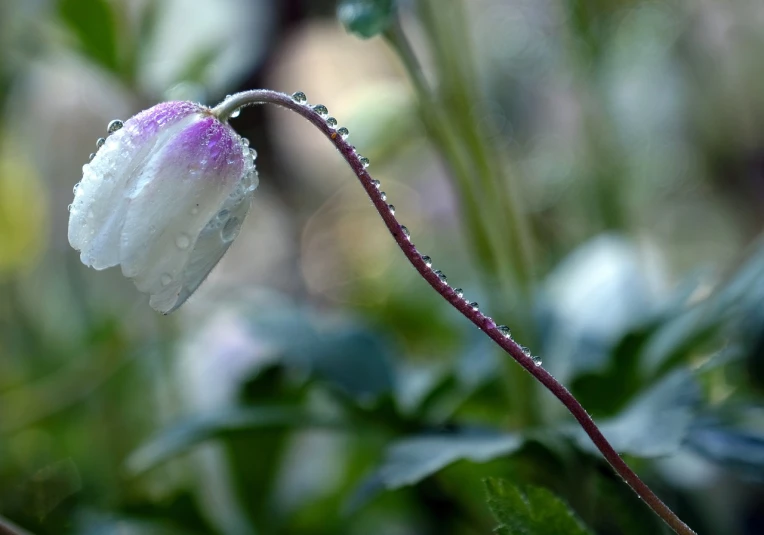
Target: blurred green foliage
x,y
591,172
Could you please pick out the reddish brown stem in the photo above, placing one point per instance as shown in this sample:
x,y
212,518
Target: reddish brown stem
x,y
484,323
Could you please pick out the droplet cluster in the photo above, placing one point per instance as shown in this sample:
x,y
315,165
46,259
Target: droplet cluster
x,y
301,98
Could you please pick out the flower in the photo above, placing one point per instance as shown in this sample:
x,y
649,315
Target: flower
x,y
164,197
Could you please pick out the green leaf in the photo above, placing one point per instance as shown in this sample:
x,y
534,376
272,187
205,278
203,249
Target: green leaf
x,y
655,423
739,450
410,460
188,433
535,512
345,355
94,24
366,18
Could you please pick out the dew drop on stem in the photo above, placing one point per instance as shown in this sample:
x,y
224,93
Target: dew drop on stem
x,y
474,306
459,292
391,208
427,260
343,132
331,121
406,232
321,110
300,97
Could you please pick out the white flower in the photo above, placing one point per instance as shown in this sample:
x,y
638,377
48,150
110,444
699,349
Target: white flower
x,y
164,197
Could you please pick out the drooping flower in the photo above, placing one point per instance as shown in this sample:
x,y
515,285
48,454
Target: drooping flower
x,y
164,197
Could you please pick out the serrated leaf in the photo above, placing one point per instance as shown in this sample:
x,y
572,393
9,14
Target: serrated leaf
x,y
188,433
655,423
411,460
534,512
94,24
366,18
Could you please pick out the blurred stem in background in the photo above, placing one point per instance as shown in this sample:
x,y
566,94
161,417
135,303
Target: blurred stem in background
x,y
498,232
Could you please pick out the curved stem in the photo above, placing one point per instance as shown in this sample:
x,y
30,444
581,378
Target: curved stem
x,y
484,323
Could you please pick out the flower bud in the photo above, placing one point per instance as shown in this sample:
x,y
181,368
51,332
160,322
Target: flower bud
x,y
163,197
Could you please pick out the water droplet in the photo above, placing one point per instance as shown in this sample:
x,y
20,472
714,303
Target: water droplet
x,y
235,113
365,162
343,132
165,279
182,241
537,361
383,195
375,183
526,351
244,142
331,121
253,153
474,306
223,214
504,330
300,97
441,276
115,125
427,260
406,232
75,188
230,229
391,208
69,208
459,292
99,142
92,155
321,110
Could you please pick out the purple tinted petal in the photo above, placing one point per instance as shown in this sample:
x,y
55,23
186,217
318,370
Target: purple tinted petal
x,y
208,148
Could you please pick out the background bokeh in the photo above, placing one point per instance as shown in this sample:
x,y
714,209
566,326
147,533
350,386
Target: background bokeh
x,y
610,214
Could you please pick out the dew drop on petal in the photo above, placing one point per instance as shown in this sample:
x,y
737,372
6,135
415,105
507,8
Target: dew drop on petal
x,y
230,229
331,121
182,241
343,132
427,260
75,188
92,155
321,110
406,232
115,125
300,97
69,208
244,142
100,142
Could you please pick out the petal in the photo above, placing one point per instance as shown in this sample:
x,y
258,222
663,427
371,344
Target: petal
x,y
172,200
100,205
215,239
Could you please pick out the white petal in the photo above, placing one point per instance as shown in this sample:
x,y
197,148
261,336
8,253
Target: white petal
x,y
100,203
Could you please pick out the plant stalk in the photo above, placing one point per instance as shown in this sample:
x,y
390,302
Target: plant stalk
x,y
484,323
